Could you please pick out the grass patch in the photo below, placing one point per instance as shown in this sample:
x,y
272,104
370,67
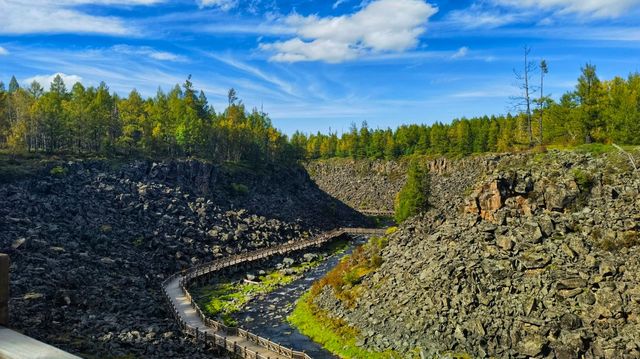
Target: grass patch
x,y
335,335
345,277
221,300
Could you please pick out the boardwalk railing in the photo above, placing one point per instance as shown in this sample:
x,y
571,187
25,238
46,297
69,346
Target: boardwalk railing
x,y
222,332
374,212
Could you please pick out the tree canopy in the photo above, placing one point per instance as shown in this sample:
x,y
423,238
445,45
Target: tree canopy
x,y
601,111
413,197
93,120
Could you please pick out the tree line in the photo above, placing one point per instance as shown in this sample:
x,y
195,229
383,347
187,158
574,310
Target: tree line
x,y
94,121
595,111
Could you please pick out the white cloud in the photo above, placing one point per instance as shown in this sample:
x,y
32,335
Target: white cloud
x,y
62,16
224,5
148,51
3,51
462,52
46,80
595,8
381,26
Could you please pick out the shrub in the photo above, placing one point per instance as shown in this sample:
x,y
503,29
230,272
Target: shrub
x,y
58,171
584,180
413,198
239,189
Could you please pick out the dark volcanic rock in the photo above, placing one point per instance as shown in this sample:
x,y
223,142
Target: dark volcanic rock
x,y
90,249
544,271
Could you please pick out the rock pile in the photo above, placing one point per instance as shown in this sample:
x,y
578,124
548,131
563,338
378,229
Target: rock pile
x,y
362,184
544,264
373,185
90,246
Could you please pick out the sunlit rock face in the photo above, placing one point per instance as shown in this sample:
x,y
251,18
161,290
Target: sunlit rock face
x,y
541,259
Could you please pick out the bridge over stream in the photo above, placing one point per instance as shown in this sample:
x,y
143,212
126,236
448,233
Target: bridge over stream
x,y
236,340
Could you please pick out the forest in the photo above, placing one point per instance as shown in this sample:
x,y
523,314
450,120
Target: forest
x,y
596,111
95,121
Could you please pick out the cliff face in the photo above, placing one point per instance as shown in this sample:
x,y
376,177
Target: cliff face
x,y
373,185
90,245
361,184
538,257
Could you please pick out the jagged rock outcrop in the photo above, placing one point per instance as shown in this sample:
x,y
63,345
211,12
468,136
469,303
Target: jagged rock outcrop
x,y
546,265
91,245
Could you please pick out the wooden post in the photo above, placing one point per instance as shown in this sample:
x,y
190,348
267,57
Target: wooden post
x,y
4,290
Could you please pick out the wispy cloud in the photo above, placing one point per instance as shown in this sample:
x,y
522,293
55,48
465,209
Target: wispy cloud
x,y
462,52
338,3
148,51
224,5
593,8
256,72
342,38
3,51
63,16
479,16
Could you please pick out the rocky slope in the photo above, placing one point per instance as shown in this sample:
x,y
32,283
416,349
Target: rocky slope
x,y
373,185
90,245
362,184
538,257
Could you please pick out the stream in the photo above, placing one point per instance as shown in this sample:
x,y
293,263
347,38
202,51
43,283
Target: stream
x,y
266,315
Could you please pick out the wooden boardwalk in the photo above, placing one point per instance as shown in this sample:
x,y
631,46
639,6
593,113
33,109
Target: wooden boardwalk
x,y
373,212
235,340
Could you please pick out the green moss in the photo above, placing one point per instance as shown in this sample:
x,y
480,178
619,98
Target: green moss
x,y
333,334
391,230
239,189
584,180
58,171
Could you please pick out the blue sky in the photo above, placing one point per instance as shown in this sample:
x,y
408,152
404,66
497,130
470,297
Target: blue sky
x,y
320,65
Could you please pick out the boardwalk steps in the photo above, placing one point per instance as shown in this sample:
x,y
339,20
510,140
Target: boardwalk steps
x,y
240,342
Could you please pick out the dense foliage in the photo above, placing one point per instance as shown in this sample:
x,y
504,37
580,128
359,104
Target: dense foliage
x,y
413,197
94,121
596,111
181,123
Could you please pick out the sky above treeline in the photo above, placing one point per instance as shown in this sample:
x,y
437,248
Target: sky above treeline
x,y
321,65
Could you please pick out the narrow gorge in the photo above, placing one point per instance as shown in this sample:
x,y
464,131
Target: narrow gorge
x,y
519,255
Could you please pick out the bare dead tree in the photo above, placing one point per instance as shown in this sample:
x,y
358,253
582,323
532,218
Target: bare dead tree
x,y
631,160
544,69
523,101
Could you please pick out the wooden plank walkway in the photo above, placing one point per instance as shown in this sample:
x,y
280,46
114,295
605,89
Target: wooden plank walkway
x,y
373,212
235,340
14,345
192,319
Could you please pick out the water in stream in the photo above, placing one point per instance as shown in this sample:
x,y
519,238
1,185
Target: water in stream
x,y
266,315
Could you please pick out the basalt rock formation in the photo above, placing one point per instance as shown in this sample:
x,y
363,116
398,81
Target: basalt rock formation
x,y
90,245
538,257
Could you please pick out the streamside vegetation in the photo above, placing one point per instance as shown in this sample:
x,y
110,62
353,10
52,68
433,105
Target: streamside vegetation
x,y
335,334
595,111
